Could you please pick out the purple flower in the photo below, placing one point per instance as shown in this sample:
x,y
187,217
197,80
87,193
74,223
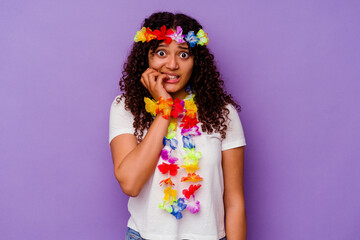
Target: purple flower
x,y
193,206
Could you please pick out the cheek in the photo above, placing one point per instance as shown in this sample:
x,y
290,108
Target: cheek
x,y
155,63
190,66
189,69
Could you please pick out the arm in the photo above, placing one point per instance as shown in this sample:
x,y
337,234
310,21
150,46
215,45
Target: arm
x,y
134,163
235,215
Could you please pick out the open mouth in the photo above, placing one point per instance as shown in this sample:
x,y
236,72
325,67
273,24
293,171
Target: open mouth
x,y
172,78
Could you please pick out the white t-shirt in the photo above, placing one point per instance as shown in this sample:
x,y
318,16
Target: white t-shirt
x,y
158,224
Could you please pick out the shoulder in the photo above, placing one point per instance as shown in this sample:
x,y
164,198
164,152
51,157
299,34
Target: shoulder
x,y
121,120
119,100
233,113
234,132
118,107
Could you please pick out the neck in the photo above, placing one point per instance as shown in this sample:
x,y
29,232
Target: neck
x,y
181,95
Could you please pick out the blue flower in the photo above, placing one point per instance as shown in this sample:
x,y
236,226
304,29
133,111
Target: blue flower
x,y
170,142
188,142
178,207
191,38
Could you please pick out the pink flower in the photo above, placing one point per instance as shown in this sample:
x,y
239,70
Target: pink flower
x,y
178,36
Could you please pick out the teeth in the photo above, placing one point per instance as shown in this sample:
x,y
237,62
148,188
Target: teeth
x,y
172,77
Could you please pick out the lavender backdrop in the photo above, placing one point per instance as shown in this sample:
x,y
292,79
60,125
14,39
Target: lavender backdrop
x,y
292,65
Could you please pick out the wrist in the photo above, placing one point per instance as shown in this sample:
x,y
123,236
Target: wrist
x,y
162,106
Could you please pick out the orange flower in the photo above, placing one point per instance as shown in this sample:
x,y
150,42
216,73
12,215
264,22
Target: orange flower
x,y
149,35
165,106
166,181
192,177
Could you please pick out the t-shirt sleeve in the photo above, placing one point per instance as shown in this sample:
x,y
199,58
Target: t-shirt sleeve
x,y
121,120
234,133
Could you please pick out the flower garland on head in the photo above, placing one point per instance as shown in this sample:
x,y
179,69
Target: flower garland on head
x,y
186,111
146,35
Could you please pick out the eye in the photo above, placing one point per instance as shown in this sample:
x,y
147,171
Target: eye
x,y
184,55
161,53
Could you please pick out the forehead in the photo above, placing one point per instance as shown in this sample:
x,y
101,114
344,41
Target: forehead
x,y
174,45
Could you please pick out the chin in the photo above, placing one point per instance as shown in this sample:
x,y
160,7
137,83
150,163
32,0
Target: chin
x,y
171,88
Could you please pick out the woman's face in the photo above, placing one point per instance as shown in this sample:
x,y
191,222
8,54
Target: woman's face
x,y
174,60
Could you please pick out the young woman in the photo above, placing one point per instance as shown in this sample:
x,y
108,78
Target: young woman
x,y
176,138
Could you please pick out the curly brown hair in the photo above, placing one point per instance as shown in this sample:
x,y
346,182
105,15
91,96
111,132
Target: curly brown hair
x,y
205,82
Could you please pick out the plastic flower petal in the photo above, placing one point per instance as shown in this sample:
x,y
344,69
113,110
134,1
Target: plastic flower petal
x,y
163,34
149,35
166,181
192,205
170,134
189,122
165,152
178,214
189,192
178,207
170,142
173,122
140,35
191,108
190,168
191,156
172,160
188,142
165,106
202,36
194,131
191,38
178,108
171,129
165,205
171,168
170,194
191,177
151,106
178,36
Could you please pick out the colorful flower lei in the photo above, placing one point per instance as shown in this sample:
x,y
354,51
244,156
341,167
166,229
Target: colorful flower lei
x,y
186,110
146,35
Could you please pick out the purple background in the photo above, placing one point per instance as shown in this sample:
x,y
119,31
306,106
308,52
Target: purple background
x,y
292,65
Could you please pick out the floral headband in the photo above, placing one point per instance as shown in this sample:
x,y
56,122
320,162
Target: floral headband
x,y
146,34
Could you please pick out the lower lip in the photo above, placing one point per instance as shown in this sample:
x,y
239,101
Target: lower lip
x,y
172,80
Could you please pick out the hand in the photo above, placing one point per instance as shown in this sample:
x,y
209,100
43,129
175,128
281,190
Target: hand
x,y
153,82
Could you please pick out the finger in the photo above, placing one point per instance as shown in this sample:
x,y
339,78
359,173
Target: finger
x,y
160,79
145,77
152,78
147,72
143,82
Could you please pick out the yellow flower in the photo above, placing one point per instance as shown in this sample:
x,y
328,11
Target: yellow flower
x,y
170,194
151,106
140,35
190,107
191,168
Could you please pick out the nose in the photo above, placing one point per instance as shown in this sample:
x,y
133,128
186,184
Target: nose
x,y
172,63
